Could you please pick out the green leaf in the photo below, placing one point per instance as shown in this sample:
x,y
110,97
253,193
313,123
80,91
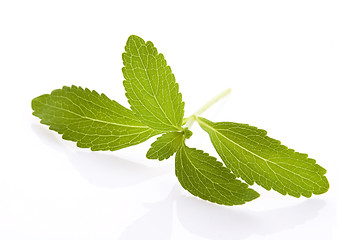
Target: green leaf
x,y
205,177
92,120
255,157
167,144
150,86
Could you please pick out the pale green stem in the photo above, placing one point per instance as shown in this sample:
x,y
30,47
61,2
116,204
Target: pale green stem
x,y
192,118
212,101
190,121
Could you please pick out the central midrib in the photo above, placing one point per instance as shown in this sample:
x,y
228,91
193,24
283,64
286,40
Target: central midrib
x,y
156,99
245,149
218,184
97,120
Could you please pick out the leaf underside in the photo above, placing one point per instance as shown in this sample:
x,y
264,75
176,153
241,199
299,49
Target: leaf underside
x,y
92,120
150,86
165,146
203,176
255,157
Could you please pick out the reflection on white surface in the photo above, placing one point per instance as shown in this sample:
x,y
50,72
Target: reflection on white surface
x,y
111,171
157,222
101,169
211,221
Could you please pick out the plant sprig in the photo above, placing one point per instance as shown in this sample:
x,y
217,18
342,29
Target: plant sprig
x,y
94,121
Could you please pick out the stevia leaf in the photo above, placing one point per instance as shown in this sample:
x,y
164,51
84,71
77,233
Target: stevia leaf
x,y
92,120
167,144
150,86
205,177
255,157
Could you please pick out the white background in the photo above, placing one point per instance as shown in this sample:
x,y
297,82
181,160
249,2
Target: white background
x,y
294,67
